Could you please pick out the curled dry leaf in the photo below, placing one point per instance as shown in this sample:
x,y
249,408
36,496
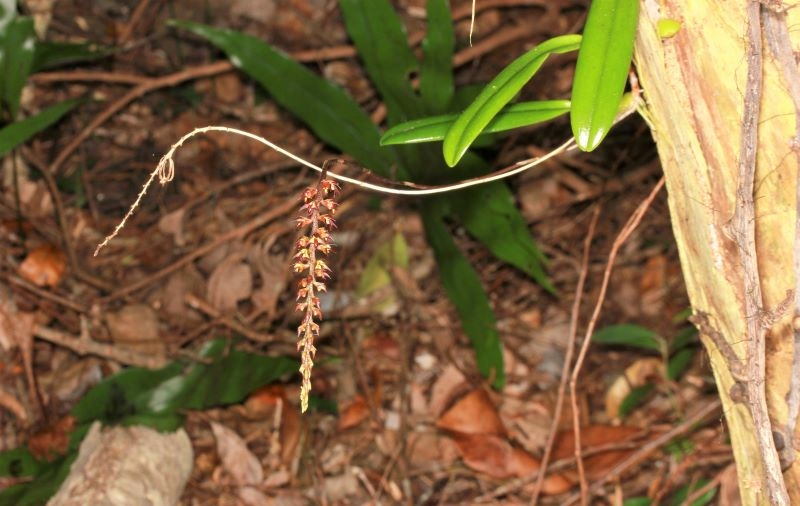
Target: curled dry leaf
x,y
136,326
353,414
473,414
237,460
231,282
44,266
53,440
636,375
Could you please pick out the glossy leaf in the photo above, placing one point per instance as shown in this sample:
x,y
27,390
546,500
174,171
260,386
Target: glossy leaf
x,y
627,334
489,213
16,133
601,71
327,109
436,73
434,128
18,43
498,93
464,289
679,363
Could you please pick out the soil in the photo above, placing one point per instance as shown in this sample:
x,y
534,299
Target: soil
x,y
208,255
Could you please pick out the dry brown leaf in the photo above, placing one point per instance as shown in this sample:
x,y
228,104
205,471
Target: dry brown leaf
x,y
172,296
353,413
172,224
263,404
237,460
472,414
638,374
425,448
14,406
44,266
449,384
136,326
486,453
653,285
593,437
231,282
53,440
272,269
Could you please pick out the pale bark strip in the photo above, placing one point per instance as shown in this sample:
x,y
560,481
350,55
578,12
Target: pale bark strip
x,y
744,233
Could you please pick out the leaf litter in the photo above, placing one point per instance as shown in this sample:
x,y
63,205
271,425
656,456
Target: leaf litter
x,y
411,408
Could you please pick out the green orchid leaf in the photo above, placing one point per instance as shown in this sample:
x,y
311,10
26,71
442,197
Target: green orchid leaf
x,y
679,363
18,43
18,132
464,289
489,213
627,334
327,109
634,399
48,55
434,128
601,71
436,75
498,93
382,44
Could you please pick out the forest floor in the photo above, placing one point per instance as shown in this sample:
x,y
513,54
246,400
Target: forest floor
x,y
208,255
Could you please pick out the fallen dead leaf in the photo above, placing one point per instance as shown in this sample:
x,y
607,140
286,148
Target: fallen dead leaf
x,y
230,282
172,224
448,385
353,413
638,374
237,460
425,448
136,326
44,266
53,440
593,437
474,413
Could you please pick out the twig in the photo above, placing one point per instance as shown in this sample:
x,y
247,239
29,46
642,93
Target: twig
x,y
648,448
626,231
85,346
207,309
145,87
573,334
742,229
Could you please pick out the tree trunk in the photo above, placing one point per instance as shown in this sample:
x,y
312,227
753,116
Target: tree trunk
x,y
695,86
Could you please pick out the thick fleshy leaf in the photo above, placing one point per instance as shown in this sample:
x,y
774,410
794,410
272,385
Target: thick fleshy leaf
x,y
19,41
601,71
16,133
488,212
465,291
436,73
327,109
498,93
382,44
627,334
434,128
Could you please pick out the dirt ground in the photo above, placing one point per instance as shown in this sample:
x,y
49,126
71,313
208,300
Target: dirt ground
x,y
208,256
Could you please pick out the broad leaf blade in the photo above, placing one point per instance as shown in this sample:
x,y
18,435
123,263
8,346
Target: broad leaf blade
x,y
488,212
49,55
434,128
498,93
17,133
601,71
382,45
436,73
465,291
327,109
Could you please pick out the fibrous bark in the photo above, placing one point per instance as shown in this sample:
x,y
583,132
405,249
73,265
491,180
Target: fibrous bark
x,y
699,101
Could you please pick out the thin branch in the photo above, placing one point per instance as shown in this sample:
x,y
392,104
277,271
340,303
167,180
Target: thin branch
x,y
623,236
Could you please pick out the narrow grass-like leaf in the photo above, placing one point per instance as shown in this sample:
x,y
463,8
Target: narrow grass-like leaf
x,y
488,212
327,109
382,45
17,52
627,334
436,73
465,291
49,55
498,93
434,128
16,133
601,71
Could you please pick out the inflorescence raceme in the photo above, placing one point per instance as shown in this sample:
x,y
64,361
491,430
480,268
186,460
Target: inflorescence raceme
x,y
316,215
